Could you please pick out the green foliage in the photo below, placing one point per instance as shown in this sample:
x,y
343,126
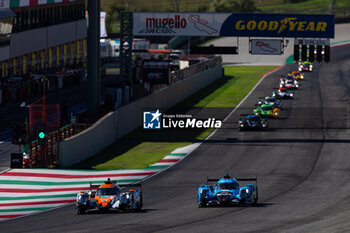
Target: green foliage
x,y
296,1
244,6
113,18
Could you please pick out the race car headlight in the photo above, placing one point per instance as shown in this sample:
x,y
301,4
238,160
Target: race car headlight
x,y
297,85
82,199
204,193
242,125
291,94
300,69
247,190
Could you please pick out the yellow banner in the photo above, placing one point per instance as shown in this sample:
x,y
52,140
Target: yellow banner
x,y
71,53
57,56
50,57
78,49
64,54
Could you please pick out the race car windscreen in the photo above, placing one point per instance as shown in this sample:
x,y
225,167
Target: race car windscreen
x,y
254,118
269,108
107,191
227,186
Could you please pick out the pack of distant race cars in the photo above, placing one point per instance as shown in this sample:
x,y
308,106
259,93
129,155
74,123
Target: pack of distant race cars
x,y
270,106
227,190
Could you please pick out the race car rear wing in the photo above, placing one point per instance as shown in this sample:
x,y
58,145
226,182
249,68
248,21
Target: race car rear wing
x,y
126,186
238,179
109,181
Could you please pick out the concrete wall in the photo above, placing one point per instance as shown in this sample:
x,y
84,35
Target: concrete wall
x,y
42,38
127,118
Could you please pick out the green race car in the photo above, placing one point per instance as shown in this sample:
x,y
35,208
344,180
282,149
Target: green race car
x,y
267,110
305,66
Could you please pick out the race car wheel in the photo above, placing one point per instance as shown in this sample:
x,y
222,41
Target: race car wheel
x,y
202,204
265,126
81,209
140,204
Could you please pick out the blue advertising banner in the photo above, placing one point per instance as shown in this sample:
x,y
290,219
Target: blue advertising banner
x,y
279,25
227,24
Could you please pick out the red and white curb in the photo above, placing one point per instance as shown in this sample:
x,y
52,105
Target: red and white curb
x,y
174,157
27,191
30,191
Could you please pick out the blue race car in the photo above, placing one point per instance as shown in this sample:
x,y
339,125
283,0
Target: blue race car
x,y
252,122
227,192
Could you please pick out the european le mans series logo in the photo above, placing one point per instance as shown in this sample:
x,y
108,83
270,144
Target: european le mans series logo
x,y
152,120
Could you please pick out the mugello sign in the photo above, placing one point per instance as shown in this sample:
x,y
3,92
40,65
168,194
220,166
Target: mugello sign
x,y
226,24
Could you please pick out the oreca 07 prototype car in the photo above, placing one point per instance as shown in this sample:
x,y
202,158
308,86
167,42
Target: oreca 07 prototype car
x,y
227,192
267,110
305,66
110,196
252,122
297,75
283,93
270,100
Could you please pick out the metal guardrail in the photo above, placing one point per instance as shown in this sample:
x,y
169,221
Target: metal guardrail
x,y
194,69
47,156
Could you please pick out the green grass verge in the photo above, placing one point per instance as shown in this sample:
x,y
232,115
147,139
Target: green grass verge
x,y
271,6
308,7
145,147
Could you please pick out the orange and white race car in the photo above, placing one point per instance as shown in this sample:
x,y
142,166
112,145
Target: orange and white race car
x,y
110,196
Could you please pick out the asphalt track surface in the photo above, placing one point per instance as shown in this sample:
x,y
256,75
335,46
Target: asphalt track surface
x,y
302,163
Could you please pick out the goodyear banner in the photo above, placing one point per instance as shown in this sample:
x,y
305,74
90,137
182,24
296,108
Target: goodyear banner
x,y
226,24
